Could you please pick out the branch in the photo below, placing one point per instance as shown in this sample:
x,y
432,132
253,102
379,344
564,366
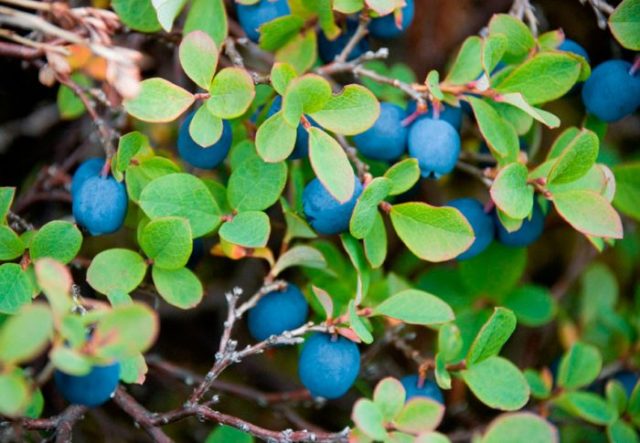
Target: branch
x,y
19,51
141,416
362,169
475,172
361,32
524,11
601,9
62,424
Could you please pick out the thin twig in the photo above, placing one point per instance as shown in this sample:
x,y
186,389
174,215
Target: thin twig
x,y
360,33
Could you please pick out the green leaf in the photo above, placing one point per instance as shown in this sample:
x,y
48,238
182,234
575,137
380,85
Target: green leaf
x,y
540,387
621,432
205,128
468,64
178,287
627,198
579,366
519,39
159,101
277,32
227,434
533,305
301,255
58,239
209,16
232,92
616,395
369,419
516,99
331,165
348,6
138,15
493,335
6,199
357,324
199,57
576,159
275,138
420,414
625,24
70,105
499,134
493,48
297,227
415,307
125,331
356,255
403,175
116,270
306,94
140,175
543,78
389,396
249,229
133,369
256,185
167,241
11,245
351,112
511,192
301,51
433,234
70,361
589,213
55,280
587,406
523,427
449,342
498,384
26,334
433,83
129,146
181,195
15,287
375,243
281,75
167,11
364,213
14,393
443,377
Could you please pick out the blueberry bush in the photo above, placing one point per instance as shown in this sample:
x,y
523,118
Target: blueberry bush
x,y
268,227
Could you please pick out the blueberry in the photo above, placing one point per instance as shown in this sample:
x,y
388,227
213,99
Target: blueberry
x,y
301,148
278,311
528,233
197,253
480,221
429,389
100,205
92,389
385,27
569,45
203,157
387,138
448,113
330,49
328,365
251,17
89,168
612,93
628,379
326,214
436,146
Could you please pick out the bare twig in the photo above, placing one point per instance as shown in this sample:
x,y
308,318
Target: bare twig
x,y
360,33
601,9
474,171
352,153
523,10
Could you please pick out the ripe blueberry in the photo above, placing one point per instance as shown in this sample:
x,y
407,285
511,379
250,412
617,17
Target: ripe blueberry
x,y
448,113
100,205
330,49
480,221
528,233
612,92
324,213
569,45
628,379
385,27
203,157
429,389
89,168
251,17
436,146
387,138
328,365
278,311
92,389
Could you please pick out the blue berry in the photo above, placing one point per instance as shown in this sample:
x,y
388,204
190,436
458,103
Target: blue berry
x,y
612,93
448,113
386,28
387,139
89,168
480,221
429,389
569,45
529,232
100,205
628,379
203,157
436,146
278,311
328,365
330,49
251,17
324,213
197,253
92,389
